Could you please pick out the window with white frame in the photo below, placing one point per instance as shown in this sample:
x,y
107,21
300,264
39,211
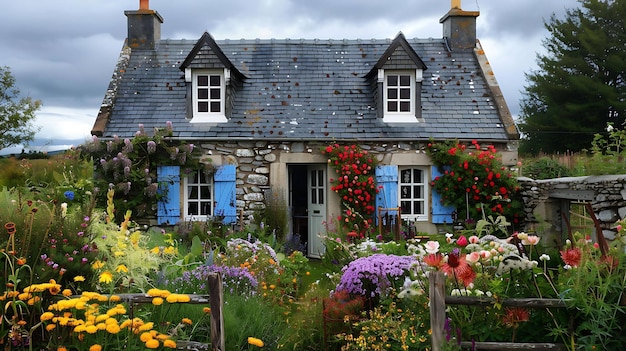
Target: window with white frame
x,y
413,193
209,94
198,196
400,90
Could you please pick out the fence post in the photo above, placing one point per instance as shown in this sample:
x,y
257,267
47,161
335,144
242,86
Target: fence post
x,y
437,295
216,301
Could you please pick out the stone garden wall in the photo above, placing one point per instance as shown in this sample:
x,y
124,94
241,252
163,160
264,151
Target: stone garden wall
x,y
546,199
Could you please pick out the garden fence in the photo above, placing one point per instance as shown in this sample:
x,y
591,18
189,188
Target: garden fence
x,y
438,301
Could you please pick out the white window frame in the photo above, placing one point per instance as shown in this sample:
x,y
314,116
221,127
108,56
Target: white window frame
x,y
191,76
191,181
423,183
415,77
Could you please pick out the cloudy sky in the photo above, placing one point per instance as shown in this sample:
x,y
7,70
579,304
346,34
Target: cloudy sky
x,y
63,52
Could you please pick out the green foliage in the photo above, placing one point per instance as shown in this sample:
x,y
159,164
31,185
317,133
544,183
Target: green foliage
x,y
544,168
607,153
578,87
16,113
130,167
274,216
475,182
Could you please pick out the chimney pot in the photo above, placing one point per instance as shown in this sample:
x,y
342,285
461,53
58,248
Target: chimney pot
x,y
144,4
456,4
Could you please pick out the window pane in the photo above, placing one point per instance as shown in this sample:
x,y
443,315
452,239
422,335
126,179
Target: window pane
x,y
205,192
405,176
192,192
205,208
215,81
392,81
405,106
203,106
405,192
417,191
405,94
203,179
405,81
417,176
392,93
418,207
320,178
216,106
203,81
192,208
215,93
203,94
313,179
392,106
313,196
405,207
321,196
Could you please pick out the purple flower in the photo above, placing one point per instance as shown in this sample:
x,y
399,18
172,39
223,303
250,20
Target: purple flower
x,y
83,260
374,275
80,233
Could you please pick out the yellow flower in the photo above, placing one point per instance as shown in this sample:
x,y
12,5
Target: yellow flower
x,y
145,336
113,328
255,342
118,253
95,347
50,327
171,344
115,298
97,264
61,348
155,250
67,292
121,268
170,250
80,278
152,343
187,321
206,310
157,301
46,316
106,277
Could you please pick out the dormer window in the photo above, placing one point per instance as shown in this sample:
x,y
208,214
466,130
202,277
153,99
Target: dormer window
x,y
208,95
401,91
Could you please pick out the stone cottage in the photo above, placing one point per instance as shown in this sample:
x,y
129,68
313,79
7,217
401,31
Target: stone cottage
x,y
262,109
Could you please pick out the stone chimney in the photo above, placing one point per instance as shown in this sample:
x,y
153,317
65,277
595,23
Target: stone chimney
x,y
459,27
144,27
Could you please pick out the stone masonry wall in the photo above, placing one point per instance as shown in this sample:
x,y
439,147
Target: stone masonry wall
x,y
607,195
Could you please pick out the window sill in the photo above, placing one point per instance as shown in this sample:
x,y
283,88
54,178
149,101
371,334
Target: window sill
x,y
400,118
209,119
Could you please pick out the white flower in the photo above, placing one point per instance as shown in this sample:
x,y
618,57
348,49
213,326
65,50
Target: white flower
x,y
544,257
567,267
609,127
432,247
64,209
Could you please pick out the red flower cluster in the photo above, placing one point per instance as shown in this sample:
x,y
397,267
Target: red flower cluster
x,y
474,180
355,184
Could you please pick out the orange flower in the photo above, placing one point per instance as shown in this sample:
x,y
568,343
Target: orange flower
x,y
458,268
434,260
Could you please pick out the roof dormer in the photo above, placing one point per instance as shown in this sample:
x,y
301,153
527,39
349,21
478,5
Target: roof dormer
x,y
212,82
397,78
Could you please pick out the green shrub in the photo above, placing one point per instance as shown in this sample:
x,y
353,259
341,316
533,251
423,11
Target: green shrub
x,y
544,168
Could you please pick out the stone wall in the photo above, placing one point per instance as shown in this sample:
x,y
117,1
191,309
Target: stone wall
x,y
545,199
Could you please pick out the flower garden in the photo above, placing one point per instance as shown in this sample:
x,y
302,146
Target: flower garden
x,y
71,254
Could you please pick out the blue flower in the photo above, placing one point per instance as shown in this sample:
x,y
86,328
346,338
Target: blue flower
x,y
69,195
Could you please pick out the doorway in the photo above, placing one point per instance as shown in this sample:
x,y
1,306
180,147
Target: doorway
x,y
307,201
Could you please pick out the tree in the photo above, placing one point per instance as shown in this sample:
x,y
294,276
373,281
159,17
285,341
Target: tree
x,y
16,113
579,87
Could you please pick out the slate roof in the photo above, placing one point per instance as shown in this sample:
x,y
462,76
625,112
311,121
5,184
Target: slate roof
x,y
304,89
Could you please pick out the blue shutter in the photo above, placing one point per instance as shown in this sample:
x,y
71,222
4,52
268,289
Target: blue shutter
x,y
225,193
387,181
168,206
440,213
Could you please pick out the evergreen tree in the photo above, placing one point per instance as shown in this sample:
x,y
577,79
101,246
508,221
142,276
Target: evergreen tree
x,y
579,86
16,113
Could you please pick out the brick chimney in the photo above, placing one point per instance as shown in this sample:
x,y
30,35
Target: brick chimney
x,y
144,27
459,27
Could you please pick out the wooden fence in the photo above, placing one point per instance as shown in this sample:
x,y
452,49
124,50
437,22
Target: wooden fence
x,y
438,301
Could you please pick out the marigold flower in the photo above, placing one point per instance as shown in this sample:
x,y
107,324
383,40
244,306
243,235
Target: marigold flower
x,y
153,343
61,348
206,310
157,301
96,265
170,344
121,268
46,316
255,342
187,321
50,327
145,336
95,347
